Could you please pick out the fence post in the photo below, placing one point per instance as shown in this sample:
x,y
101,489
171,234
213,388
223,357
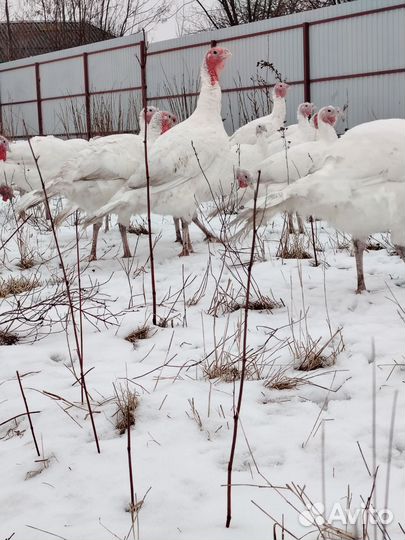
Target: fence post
x,y
87,93
39,99
307,61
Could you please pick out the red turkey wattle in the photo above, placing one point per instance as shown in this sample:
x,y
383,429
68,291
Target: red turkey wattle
x,y
329,117
280,89
6,192
168,121
3,152
215,62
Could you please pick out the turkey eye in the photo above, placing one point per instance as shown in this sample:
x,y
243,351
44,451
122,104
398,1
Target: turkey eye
x,y
215,52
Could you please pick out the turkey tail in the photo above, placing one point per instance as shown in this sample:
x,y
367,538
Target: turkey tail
x,y
64,214
266,208
110,208
37,196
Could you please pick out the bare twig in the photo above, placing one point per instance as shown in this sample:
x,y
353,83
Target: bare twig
x,y
243,372
145,146
28,414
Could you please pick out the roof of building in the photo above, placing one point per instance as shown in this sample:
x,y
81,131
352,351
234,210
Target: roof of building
x,y
29,38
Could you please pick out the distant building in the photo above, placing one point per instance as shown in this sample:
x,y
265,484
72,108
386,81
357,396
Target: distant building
x,y
29,38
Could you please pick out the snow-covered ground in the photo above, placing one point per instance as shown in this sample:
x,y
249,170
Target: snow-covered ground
x,y
312,435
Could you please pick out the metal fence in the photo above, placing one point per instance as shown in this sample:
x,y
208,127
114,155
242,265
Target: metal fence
x,y
352,53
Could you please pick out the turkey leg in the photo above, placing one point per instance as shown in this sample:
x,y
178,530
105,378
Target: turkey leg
x,y
187,247
359,247
177,228
107,223
291,228
93,252
301,228
124,238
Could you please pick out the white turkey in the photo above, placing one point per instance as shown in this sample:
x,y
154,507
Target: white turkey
x,y
296,133
292,163
273,122
190,164
248,155
360,189
93,177
20,168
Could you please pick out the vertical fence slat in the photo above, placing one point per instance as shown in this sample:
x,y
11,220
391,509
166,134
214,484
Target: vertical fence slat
x,y
39,99
87,93
307,61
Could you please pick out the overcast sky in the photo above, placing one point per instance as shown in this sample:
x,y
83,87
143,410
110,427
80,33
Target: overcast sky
x,y
162,31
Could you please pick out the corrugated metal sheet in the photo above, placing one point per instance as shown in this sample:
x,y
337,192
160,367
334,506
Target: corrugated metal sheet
x,y
342,43
62,78
358,45
115,112
368,98
114,69
64,116
17,85
19,119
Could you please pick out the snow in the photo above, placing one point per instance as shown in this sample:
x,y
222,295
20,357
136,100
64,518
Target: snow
x,y
179,464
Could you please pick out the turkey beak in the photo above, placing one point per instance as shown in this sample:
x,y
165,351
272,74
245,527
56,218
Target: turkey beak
x,y
226,53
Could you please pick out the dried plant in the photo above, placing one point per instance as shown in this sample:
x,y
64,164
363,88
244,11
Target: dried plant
x,y
311,354
228,300
126,402
8,338
138,228
12,286
224,371
142,332
279,380
292,246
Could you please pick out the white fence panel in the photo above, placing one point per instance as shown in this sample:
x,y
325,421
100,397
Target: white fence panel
x,y
63,78
110,70
356,53
20,119
18,85
358,45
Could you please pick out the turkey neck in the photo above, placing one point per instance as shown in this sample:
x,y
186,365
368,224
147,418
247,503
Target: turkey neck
x,y
279,108
262,145
209,100
303,123
327,132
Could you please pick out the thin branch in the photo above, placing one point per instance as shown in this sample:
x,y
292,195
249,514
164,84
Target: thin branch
x,y
244,357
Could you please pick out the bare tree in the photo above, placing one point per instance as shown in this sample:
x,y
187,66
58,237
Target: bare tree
x,y
204,15
116,17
